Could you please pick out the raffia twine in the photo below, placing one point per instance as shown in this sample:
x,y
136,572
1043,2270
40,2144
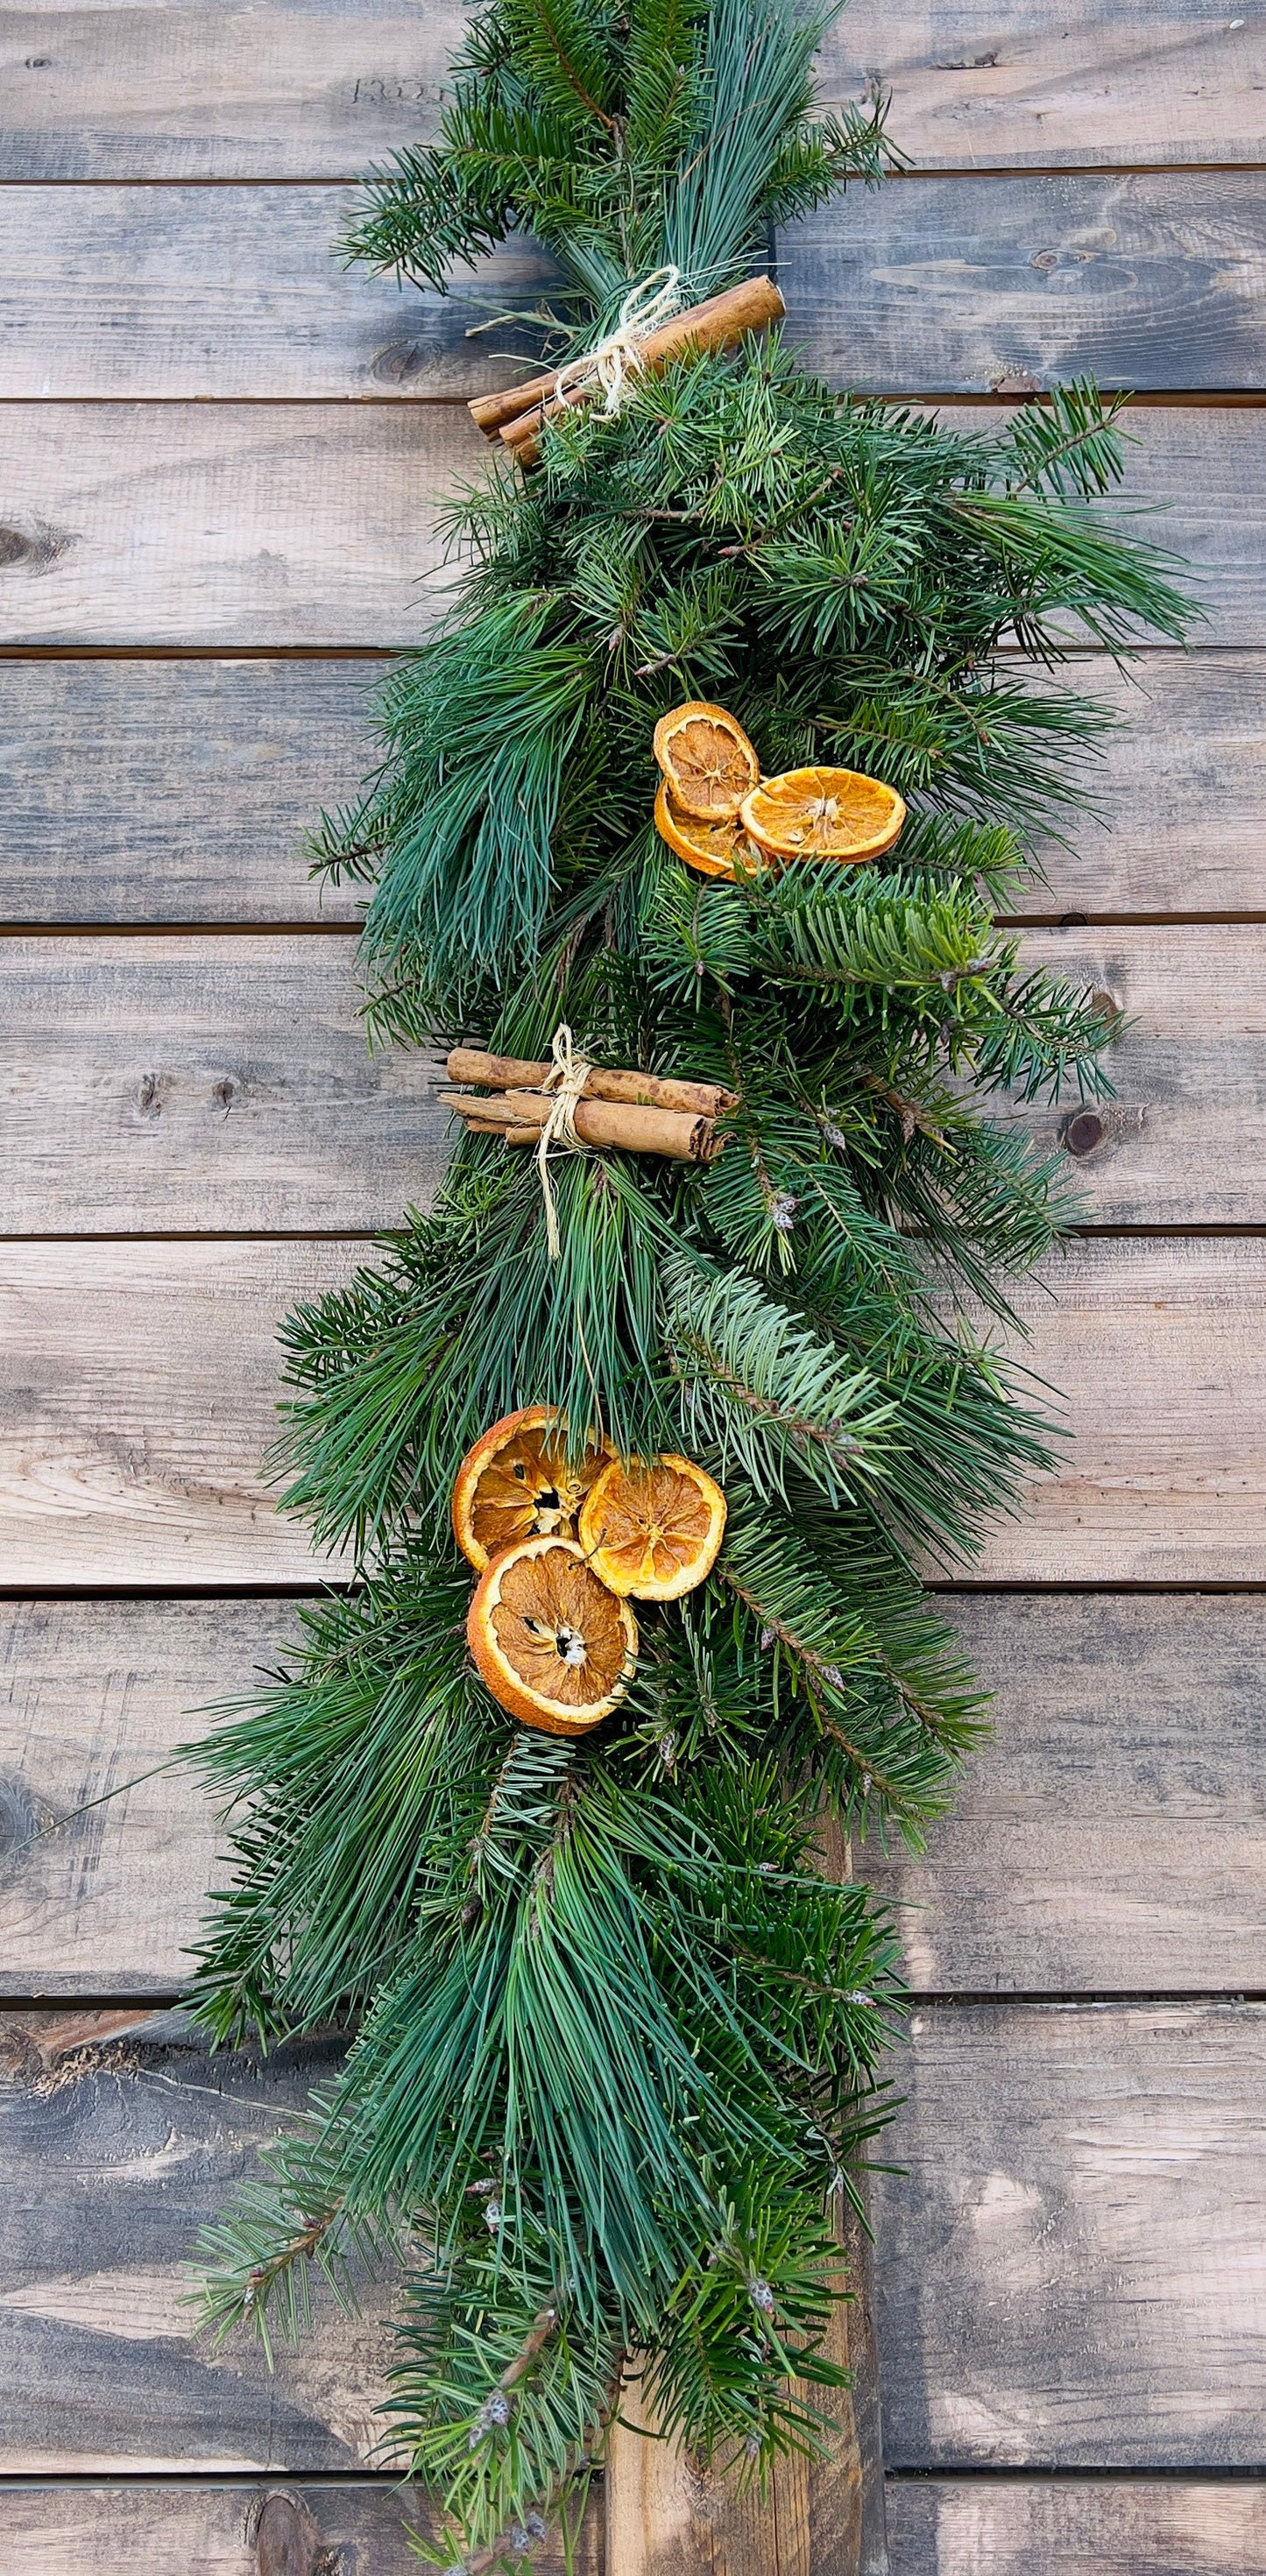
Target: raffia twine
x,y
566,1079
619,356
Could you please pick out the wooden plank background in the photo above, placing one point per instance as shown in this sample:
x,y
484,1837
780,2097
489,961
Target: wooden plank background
x,y
221,465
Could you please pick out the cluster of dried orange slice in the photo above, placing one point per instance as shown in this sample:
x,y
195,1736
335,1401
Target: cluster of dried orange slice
x,y
714,808
561,1546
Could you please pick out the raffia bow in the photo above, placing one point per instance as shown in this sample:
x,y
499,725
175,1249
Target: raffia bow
x,y
566,1080
619,356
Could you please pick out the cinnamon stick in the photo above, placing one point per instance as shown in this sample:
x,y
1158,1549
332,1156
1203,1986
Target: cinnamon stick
x,y
646,1090
715,324
636,1129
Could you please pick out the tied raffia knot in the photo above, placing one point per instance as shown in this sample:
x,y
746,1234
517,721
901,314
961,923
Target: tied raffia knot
x,y
565,1080
619,356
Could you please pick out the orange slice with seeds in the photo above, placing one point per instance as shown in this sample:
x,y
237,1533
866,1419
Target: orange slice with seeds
x,y
517,1482
553,1644
707,760
652,1531
712,848
824,814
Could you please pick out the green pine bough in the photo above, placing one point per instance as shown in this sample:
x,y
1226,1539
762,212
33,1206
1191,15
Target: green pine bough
x,y
619,2040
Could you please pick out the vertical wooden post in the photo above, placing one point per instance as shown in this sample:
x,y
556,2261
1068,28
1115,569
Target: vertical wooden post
x,y
819,2518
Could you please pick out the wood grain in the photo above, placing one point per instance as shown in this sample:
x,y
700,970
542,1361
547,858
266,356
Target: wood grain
x,y
233,525
1183,1142
1108,2527
1067,2269
1111,1834
322,88
184,89
258,524
152,791
138,1396
168,1086
106,1856
1056,81
227,292
157,2530
175,791
1153,280
120,2139
1108,1837
137,1383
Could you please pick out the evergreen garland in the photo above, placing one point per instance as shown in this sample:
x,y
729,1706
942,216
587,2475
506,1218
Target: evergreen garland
x,y
620,2041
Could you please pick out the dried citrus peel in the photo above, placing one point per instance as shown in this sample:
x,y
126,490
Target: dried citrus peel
x,y
652,1532
707,760
823,814
517,1482
553,1644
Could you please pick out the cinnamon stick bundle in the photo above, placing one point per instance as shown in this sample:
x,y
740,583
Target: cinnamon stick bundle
x,y
646,1090
516,416
638,1130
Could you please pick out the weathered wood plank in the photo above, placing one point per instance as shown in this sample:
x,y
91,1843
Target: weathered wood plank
x,y
1108,1838
94,1696
1067,2270
179,791
196,292
156,2530
174,1085
187,90
1184,1140
1152,280
113,2158
175,791
226,524
1054,81
236,525
137,1383
321,88
1101,2527
1111,1835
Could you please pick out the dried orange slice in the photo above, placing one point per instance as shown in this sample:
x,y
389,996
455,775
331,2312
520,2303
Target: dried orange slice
x,y
824,814
710,847
517,1483
652,1531
707,760
553,1644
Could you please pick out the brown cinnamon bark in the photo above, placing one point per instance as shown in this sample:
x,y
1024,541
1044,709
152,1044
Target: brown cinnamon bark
x,y
626,1124
646,1090
715,324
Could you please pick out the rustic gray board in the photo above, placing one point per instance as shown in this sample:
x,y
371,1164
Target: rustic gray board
x,y
113,2159
138,1382
179,791
1108,2527
230,292
208,2529
1151,280
173,1085
225,524
1068,2269
321,88
1109,1837
242,524
179,1085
